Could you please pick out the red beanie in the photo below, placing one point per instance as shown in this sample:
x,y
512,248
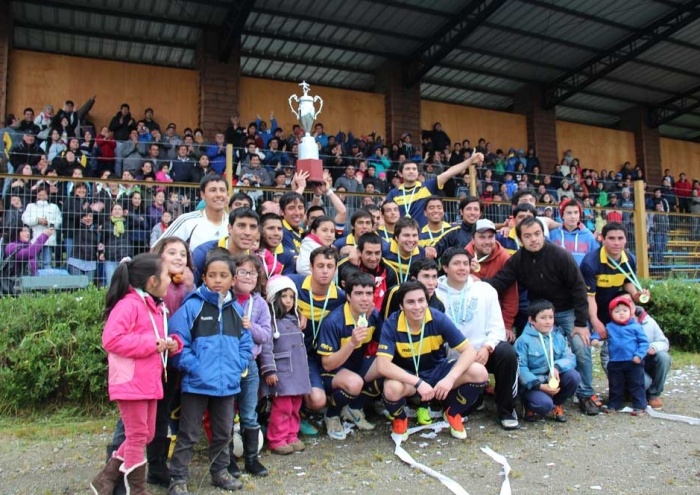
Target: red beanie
x,y
565,202
620,300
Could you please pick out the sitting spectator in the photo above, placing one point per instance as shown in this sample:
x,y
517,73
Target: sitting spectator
x,y
54,145
255,169
25,251
132,153
163,175
217,154
43,216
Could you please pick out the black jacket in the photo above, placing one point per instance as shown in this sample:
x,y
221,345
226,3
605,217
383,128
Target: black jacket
x,y
122,129
25,153
552,274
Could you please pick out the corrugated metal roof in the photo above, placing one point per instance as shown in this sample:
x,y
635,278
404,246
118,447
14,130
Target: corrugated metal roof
x,y
344,42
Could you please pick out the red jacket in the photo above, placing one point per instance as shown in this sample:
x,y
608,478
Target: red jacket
x,y
107,147
683,188
489,268
135,366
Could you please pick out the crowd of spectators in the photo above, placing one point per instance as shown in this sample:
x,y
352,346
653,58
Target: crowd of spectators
x,y
98,215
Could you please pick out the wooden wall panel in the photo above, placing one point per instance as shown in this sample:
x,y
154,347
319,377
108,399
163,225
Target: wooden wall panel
x,y
343,109
36,79
504,130
680,156
596,147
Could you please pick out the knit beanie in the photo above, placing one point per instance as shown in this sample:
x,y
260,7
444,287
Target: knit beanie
x,y
616,302
565,203
277,284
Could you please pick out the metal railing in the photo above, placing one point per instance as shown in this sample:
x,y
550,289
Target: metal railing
x,y
89,237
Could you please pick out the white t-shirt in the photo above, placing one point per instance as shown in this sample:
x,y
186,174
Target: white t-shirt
x,y
195,228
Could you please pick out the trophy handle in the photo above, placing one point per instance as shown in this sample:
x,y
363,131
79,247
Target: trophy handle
x,y
295,98
320,107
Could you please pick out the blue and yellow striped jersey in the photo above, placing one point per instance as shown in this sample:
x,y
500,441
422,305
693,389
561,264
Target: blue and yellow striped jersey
x,y
394,342
411,202
336,331
291,237
604,280
390,255
427,237
336,298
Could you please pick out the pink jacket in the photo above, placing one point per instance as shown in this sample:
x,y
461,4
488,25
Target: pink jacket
x,y
135,367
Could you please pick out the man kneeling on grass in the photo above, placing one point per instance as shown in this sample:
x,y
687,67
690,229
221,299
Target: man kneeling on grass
x,y
413,360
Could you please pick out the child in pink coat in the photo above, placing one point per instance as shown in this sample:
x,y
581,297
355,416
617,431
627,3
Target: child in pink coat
x,y
137,344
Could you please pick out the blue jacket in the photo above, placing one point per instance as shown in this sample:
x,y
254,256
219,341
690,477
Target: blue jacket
x,y
533,360
216,349
578,242
626,341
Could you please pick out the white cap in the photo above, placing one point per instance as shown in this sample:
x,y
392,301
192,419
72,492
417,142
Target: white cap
x,y
484,224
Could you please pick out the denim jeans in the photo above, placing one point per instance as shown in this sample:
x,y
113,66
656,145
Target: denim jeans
x,y
110,268
584,362
46,257
68,244
247,399
655,370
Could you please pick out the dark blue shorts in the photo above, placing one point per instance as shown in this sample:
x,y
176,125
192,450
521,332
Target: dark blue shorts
x,y
327,376
315,372
436,374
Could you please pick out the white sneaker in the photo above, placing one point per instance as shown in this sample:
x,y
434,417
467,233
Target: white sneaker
x,y
357,416
334,427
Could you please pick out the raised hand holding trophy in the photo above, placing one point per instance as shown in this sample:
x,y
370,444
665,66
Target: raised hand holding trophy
x,y
308,160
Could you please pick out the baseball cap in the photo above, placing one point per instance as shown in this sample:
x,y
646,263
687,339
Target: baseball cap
x,y
483,225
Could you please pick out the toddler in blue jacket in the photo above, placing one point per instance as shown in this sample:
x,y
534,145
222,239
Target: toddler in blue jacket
x,y
627,345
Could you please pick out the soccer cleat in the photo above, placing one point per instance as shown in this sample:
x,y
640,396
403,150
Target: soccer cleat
x,y
456,426
423,416
399,426
357,416
334,427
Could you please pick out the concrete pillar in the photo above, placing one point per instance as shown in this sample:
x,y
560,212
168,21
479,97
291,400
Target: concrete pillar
x,y
541,126
403,105
5,35
647,143
219,85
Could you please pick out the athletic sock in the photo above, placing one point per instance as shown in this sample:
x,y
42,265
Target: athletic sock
x,y
463,397
337,400
395,409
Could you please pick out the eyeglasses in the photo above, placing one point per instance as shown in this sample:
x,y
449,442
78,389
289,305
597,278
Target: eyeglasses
x,y
246,273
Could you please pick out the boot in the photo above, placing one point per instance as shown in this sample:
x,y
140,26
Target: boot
x,y
106,480
251,436
135,479
119,488
233,468
157,453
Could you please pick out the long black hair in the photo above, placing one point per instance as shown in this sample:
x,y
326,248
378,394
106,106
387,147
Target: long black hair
x,y
134,273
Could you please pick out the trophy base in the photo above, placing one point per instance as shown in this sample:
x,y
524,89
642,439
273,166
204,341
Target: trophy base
x,y
313,166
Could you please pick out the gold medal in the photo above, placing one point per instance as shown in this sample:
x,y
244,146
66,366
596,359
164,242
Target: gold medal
x,y
477,268
553,383
644,298
362,321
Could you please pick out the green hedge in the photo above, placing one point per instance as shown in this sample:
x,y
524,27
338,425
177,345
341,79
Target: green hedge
x,y
675,305
51,351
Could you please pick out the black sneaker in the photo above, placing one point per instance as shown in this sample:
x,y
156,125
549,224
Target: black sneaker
x,y
588,406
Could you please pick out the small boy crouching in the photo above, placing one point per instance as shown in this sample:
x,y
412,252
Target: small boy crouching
x,y
627,346
547,365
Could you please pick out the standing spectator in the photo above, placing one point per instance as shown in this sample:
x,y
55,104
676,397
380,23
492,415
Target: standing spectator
x,y
148,121
42,216
27,125
139,225
217,154
695,210
75,206
235,133
107,150
131,153
658,226
115,245
683,190
121,126
83,257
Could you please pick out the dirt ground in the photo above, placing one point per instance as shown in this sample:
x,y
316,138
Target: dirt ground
x,y
611,454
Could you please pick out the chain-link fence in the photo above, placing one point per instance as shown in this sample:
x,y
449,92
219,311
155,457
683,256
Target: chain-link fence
x,y
67,232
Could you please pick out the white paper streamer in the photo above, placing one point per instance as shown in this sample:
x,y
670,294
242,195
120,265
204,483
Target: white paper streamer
x,y
451,484
505,486
672,417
